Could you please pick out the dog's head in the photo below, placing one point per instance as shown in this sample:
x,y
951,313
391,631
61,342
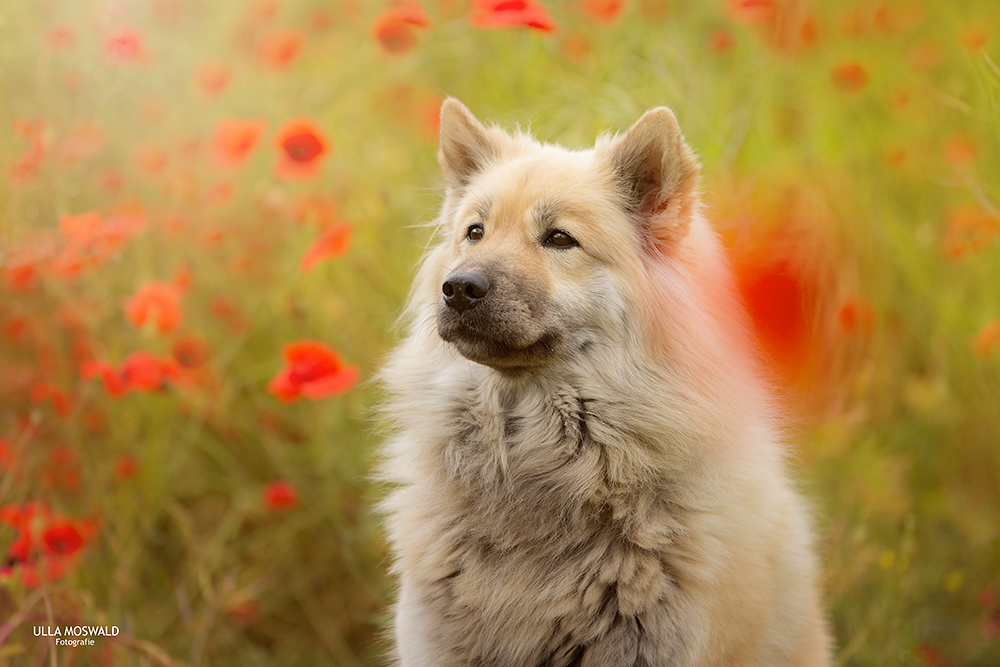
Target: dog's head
x,y
543,247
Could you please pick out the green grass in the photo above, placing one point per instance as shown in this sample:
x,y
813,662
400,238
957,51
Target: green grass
x,y
899,442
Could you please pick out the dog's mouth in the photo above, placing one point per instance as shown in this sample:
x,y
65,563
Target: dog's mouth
x,y
488,345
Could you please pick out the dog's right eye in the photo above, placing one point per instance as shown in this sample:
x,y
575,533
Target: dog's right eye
x,y
474,233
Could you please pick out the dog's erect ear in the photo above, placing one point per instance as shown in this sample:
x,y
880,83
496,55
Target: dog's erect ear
x,y
657,174
466,145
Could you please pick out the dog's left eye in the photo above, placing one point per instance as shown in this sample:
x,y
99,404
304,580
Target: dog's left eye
x,y
474,233
557,238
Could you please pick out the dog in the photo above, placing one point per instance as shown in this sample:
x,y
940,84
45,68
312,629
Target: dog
x,y
586,461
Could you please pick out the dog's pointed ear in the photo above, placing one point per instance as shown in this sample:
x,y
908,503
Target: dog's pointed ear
x,y
657,175
466,144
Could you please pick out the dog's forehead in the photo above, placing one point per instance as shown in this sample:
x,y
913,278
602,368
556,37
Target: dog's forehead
x,y
544,184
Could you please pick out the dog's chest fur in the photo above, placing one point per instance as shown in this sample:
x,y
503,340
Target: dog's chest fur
x,y
547,531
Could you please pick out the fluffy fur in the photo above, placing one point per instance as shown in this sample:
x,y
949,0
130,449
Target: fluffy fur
x,y
587,468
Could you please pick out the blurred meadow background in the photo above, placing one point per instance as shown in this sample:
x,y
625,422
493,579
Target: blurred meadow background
x,y
211,212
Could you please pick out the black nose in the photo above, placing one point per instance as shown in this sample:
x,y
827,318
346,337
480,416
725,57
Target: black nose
x,y
464,291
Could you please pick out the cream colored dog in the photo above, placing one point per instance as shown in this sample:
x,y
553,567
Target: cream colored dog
x,y
587,466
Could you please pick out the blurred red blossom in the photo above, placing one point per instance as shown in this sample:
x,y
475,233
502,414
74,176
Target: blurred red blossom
x,y
721,40
394,27
280,496
47,546
213,78
17,329
28,165
930,656
856,315
960,150
151,159
20,274
927,54
603,11
970,230
751,11
43,391
60,38
224,309
986,342
512,14
780,270
62,538
190,352
312,370
125,44
6,455
140,371
62,470
126,467
331,243
302,145
235,139
264,10
158,303
850,77
974,37
279,50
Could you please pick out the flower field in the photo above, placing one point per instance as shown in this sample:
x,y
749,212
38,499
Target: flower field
x,y
210,214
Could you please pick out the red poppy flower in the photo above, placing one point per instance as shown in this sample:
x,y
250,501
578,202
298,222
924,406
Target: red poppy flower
x,y
850,77
394,27
774,297
21,516
331,243
603,11
235,140
778,280
80,229
970,230
62,538
125,44
21,276
141,371
63,469
751,11
974,38
126,467
856,315
28,165
987,340
302,147
960,150
190,353
280,50
158,303
43,391
512,14
930,656
721,40
280,496
265,10
225,310
312,370
214,77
